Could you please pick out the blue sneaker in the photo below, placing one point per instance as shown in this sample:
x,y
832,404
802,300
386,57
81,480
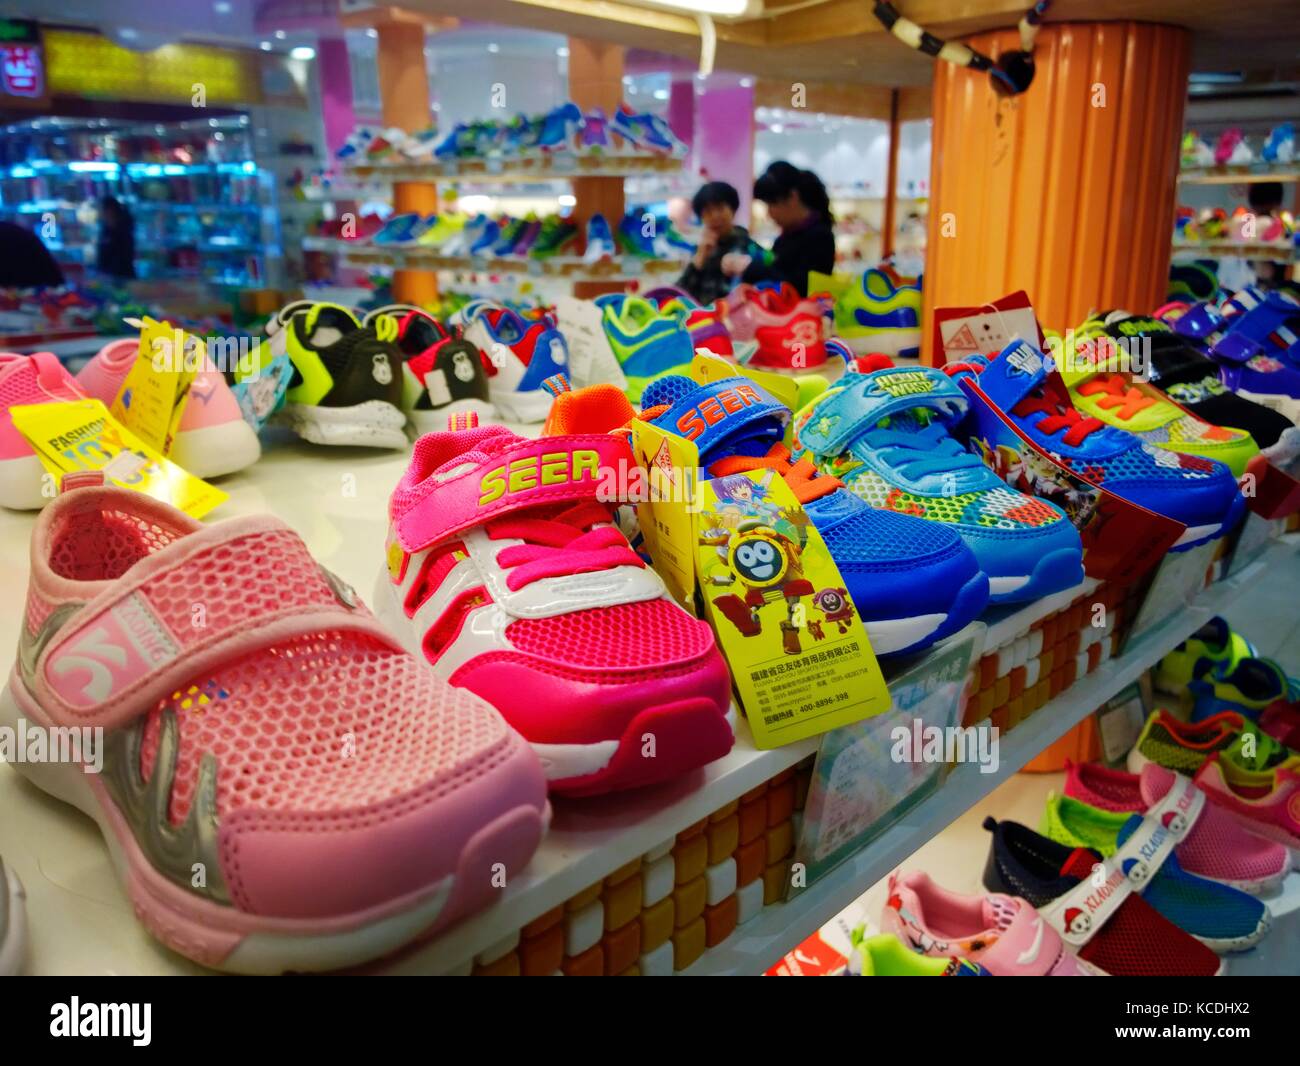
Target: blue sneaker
x,y
1200,493
1258,350
560,129
647,342
887,435
633,240
912,582
487,238
401,228
1280,146
600,241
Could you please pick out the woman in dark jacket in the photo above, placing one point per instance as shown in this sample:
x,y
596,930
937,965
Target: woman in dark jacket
x,y
797,202
115,255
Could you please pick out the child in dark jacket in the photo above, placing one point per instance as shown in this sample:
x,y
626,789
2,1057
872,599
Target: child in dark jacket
x,y
715,205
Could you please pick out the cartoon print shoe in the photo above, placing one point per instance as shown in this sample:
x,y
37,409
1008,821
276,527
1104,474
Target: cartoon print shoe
x,y
887,435
885,955
27,379
337,799
1003,934
911,582
505,572
1215,847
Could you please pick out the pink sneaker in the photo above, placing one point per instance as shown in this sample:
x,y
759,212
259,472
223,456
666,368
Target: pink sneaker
x,y
506,572
1216,847
1272,813
24,379
282,786
214,438
1004,934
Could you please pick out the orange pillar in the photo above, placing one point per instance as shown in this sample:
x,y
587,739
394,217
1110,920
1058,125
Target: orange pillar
x,y
404,94
1068,190
596,80
889,223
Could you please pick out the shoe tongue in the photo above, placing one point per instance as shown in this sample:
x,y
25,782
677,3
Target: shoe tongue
x,y
1154,783
733,416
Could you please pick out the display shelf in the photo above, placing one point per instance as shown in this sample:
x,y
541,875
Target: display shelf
x,y
1278,251
1238,175
777,929
584,845
624,268
526,169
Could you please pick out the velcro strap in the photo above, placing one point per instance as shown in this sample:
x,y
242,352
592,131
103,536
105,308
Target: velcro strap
x,y
864,399
529,474
1018,369
1082,911
723,410
204,600
1201,321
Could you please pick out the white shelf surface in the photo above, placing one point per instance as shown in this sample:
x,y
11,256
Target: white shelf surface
x,y
758,944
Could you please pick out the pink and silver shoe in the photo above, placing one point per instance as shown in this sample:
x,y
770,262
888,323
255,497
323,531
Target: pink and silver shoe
x,y
281,785
1004,934
506,571
213,438
1216,847
27,379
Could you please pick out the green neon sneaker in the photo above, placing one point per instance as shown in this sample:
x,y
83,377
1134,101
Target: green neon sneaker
x,y
558,236
1213,649
1242,747
885,955
873,314
647,342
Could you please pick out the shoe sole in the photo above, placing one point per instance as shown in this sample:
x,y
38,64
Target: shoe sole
x,y
1233,945
235,941
22,483
13,948
374,424
1045,579
1195,536
435,421
899,636
214,451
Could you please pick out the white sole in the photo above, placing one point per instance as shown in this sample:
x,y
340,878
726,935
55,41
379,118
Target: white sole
x,y
532,406
1283,404
886,342
22,484
895,634
13,948
214,451
435,421
1003,586
374,424
1195,533
1233,945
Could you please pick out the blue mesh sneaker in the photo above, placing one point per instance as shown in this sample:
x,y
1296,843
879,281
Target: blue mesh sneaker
x,y
912,582
887,435
1200,493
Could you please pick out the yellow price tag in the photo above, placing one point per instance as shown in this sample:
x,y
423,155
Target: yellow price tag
x,y
667,498
72,437
153,395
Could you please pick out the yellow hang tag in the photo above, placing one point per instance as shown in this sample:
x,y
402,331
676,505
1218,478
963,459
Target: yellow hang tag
x,y
73,437
152,398
666,499
798,650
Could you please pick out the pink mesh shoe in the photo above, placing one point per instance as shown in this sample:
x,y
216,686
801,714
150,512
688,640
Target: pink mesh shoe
x,y
25,379
1216,847
282,787
1004,934
1270,812
213,439
506,572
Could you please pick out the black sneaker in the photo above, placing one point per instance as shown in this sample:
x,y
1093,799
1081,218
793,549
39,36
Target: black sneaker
x,y
443,373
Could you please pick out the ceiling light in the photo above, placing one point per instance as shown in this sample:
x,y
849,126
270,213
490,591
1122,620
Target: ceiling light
x,y
280,35
302,51
265,46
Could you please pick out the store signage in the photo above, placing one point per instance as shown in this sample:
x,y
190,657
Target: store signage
x,y
22,62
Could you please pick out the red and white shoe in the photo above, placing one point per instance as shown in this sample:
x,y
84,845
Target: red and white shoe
x,y
790,330
505,572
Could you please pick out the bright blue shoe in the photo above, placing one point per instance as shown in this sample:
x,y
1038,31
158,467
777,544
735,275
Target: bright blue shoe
x,y
647,342
1200,493
561,128
632,238
1258,350
400,229
451,147
490,235
887,435
600,241
1280,146
911,582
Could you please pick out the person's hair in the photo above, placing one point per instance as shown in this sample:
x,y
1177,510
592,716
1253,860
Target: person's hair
x,y
715,192
780,179
113,208
1265,195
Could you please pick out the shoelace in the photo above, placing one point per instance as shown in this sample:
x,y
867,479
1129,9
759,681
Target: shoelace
x,y
918,454
1058,416
802,477
561,545
1124,399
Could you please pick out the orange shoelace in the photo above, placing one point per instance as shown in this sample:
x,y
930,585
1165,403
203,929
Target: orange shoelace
x,y
802,477
1124,399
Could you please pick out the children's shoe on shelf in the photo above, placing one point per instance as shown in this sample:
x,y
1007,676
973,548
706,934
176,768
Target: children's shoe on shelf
x,y
439,231
213,438
1280,146
886,434
1270,809
1215,847
347,385
519,357
789,329
1222,918
885,955
1003,934
911,582
560,129
599,244
518,587
342,800
27,379
1177,745
1200,493
556,236
1212,649
875,315
443,374
1093,906
648,343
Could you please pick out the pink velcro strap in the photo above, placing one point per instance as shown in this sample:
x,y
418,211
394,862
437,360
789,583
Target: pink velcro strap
x,y
533,472
211,597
